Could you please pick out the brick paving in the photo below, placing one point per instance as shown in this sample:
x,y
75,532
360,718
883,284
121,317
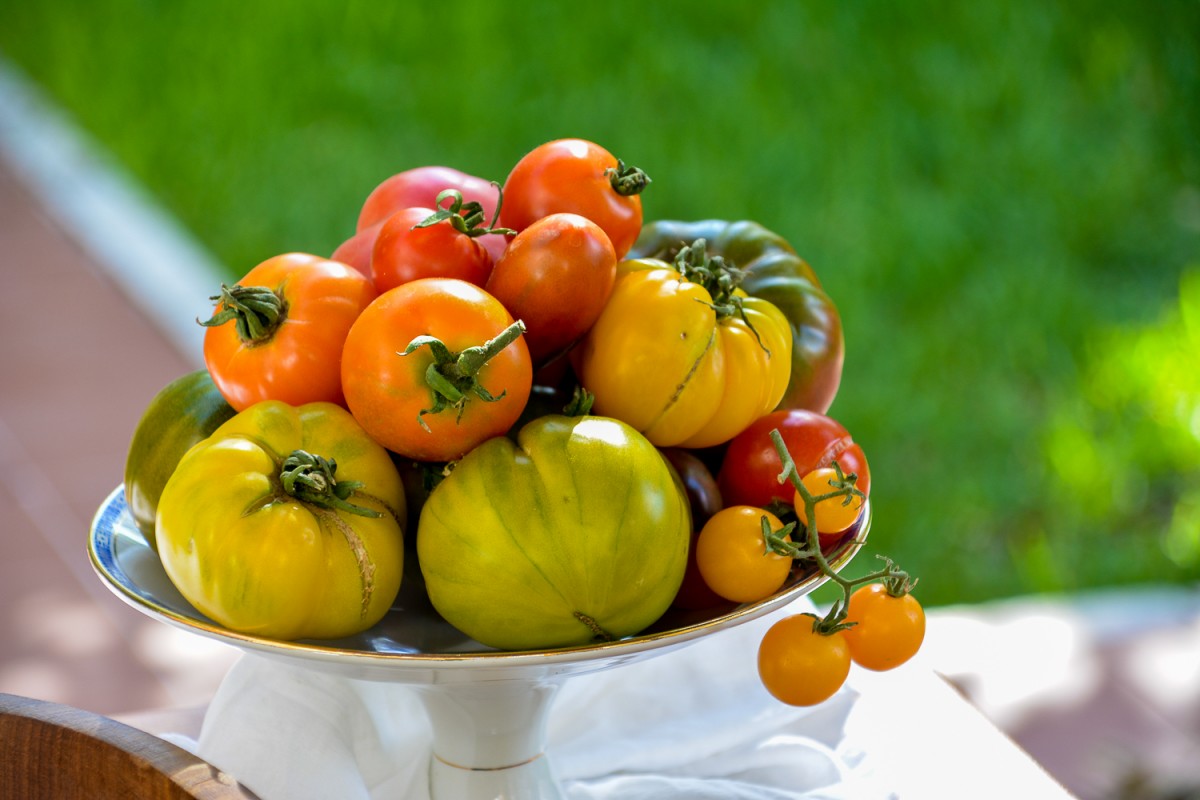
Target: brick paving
x,y
77,365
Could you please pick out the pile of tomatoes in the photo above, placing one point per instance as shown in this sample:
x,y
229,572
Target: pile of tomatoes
x,y
414,375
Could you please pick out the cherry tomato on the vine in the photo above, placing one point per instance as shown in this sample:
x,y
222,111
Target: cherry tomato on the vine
x,y
889,629
750,470
801,666
834,514
578,177
555,276
734,560
431,404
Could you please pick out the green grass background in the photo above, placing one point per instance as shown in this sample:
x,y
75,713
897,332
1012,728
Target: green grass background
x,y
1002,198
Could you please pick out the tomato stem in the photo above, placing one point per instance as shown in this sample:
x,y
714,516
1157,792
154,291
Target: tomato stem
x,y
598,632
256,311
844,486
310,478
466,218
453,377
627,180
720,278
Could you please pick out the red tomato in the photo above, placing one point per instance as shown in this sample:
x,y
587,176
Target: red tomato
x,y
356,251
555,276
404,252
579,177
278,333
750,470
420,186
390,393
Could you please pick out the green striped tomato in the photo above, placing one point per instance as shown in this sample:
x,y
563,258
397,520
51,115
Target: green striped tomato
x,y
578,531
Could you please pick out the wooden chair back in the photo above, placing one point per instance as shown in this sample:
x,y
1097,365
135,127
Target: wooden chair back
x,y
50,751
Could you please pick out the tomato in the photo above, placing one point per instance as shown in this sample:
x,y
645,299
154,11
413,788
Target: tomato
x,y
578,177
285,523
801,666
733,558
704,496
750,469
184,412
888,630
420,399
774,272
555,276
404,252
420,186
278,333
704,500
672,355
356,251
576,531
835,514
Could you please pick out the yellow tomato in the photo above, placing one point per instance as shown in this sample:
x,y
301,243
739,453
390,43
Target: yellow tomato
x,y
682,355
285,524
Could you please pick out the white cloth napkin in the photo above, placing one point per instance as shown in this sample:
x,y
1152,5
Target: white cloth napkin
x,y
692,723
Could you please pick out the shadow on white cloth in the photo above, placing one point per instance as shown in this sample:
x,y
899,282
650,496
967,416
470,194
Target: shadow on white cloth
x,y
692,723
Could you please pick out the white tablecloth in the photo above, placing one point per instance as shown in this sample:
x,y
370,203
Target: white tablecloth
x,y
692,723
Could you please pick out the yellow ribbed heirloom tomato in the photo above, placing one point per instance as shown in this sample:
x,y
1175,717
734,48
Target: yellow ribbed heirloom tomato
x,y
285,523
682,354
578,531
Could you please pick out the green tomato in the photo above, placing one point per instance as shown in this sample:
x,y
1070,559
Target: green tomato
x,y
185,412
576,532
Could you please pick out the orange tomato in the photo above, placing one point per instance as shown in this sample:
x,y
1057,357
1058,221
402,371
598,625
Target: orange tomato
x,y
733,558
801,666
278,333
390,393
889,629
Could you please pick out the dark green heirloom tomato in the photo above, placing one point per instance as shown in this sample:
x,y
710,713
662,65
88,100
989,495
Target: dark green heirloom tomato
x,y
186,411
777,274
578,531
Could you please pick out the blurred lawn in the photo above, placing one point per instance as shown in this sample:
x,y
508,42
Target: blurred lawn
x,y
1002,198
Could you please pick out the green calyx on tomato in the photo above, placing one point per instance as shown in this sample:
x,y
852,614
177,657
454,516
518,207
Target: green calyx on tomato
x,y
256,311
627,180
310,478
454,376
775,273
466,218
576,531
258,534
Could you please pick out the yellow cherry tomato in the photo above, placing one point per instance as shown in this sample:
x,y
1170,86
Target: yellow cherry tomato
x,y
801,666
734,560
834,514
889,629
